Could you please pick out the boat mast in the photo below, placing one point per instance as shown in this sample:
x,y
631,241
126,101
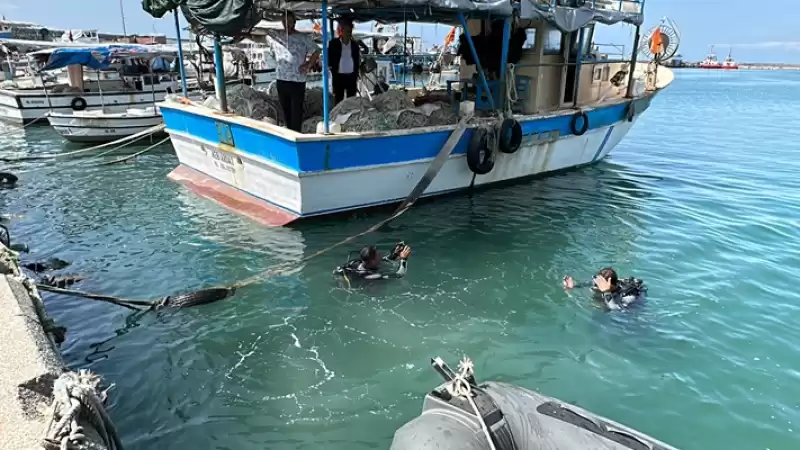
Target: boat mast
x,y
122,14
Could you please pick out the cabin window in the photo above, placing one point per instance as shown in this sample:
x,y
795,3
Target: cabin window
x,y
598,74
552,42
606,73
530,38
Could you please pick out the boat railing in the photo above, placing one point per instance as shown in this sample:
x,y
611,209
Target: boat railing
x,y
609,51
622,6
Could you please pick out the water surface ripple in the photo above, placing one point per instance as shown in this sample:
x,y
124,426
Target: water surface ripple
x,y
700,200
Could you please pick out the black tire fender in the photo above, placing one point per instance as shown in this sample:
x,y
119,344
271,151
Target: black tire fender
x,y
480,158
573,125
78,104
510,134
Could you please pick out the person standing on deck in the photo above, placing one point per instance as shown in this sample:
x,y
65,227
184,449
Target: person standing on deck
x,y
344,59
295,53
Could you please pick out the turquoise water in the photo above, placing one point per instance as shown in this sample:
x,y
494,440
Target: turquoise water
x,y
700,200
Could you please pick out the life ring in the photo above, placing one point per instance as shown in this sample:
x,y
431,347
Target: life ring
x,y
631,113
510,136
78,104
480,158
574,124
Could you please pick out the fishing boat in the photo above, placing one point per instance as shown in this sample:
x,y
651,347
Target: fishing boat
x,y
730,63
109,122
114,91
505,127
710,62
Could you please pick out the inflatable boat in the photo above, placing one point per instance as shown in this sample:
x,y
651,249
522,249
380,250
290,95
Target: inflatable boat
x,y
462,415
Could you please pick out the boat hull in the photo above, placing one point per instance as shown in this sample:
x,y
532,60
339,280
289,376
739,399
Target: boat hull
x,y
276,179
101,128
23,107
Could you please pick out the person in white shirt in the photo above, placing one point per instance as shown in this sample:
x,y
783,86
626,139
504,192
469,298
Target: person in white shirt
x,y
295,53
344,59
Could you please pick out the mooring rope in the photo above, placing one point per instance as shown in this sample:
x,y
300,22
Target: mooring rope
x,y
134,137
209,295
77,397
460,387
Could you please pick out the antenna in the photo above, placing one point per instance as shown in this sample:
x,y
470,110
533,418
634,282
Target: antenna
x,y
122,14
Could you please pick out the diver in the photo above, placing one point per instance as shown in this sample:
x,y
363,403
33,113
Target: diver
x,y
616,294
371,266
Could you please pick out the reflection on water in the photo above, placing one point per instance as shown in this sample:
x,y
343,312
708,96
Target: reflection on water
x,y
296,361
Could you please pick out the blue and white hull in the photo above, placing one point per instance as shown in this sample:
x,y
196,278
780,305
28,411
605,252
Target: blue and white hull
x,y
277,176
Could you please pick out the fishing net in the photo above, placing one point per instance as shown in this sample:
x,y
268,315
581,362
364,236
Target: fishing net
x,y
248,102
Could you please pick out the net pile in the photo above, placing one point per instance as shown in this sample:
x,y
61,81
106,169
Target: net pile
x,y
391,110
246,101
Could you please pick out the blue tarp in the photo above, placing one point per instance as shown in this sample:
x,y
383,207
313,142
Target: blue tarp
x,y
94,57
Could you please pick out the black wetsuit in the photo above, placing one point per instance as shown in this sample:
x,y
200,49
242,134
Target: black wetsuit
x,y
391,267
627,291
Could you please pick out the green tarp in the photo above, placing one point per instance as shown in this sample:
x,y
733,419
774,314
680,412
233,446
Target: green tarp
x,y
224,17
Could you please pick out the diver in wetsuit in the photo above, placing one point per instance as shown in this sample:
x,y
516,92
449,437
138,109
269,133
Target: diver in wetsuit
x,y
371,266
609,289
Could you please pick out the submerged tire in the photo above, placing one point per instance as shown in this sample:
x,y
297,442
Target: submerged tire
x,y
201,297
5,237
480,158
8,179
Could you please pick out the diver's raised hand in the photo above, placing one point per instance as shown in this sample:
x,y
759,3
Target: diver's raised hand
x,y
569,282
405,252
602,284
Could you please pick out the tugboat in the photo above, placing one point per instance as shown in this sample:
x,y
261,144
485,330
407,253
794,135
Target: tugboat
x,y
711,61
730,63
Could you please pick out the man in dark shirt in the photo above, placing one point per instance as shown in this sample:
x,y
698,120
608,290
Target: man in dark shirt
x,y
344,59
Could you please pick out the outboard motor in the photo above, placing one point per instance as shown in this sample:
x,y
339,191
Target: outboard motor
x,y
462,415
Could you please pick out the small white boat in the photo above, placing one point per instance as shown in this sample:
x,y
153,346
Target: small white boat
x,y
101,126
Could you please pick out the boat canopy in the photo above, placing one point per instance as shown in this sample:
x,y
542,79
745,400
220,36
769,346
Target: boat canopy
x,y
236,18
95,57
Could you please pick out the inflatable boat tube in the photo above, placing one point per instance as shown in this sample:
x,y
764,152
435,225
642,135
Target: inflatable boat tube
x,y
519,419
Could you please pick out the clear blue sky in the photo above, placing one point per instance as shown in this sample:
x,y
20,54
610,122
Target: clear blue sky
x,y
757,33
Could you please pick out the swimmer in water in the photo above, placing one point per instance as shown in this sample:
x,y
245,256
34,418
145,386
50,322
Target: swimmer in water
x,y
371,266
608,288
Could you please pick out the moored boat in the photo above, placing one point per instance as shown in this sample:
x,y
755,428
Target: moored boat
x,y
579,109
710,62
116,92
100,126
730,63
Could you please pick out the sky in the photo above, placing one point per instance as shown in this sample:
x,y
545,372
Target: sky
x,y
755,34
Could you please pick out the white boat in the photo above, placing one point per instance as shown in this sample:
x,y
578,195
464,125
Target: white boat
x,y
116,93
573,115
101,126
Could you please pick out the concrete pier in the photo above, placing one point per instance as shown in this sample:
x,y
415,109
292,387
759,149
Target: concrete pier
x,y
29,361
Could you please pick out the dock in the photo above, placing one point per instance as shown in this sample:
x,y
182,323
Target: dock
x,y
30,363
742,66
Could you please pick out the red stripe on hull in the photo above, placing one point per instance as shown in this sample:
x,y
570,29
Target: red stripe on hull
x,y
231,198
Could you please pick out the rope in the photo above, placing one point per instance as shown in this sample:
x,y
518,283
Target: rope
x,y
408,203
132,138
460,387
120,160
76,397
35,120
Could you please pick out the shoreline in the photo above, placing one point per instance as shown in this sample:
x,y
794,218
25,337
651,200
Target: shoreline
x,y
742,66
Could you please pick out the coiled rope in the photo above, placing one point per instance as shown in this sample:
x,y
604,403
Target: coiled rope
x,y
214,294
76,397
460,387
